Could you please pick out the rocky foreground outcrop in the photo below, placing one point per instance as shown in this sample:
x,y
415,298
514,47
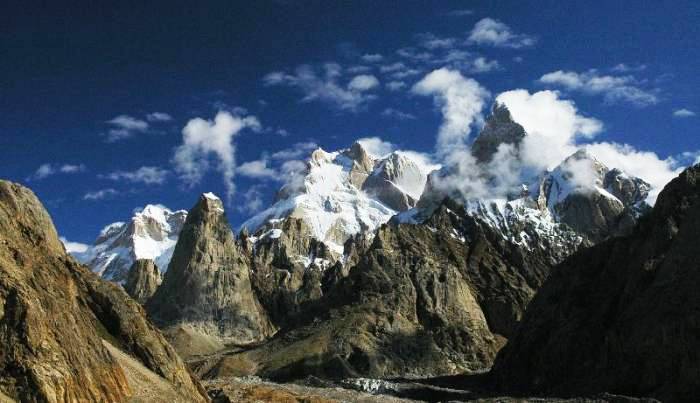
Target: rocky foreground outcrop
x,y
207,287
622,316
65,334
423,300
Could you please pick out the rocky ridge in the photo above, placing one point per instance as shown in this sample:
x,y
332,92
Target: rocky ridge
x,y
65,333
620,316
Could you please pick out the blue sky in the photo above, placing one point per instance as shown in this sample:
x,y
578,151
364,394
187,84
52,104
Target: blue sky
x,y
90,94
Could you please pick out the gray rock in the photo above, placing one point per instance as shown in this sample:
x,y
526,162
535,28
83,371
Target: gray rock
x,y
207,286
143,280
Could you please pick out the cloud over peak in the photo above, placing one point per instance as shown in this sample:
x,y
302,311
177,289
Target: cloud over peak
x,y
461,101
207,140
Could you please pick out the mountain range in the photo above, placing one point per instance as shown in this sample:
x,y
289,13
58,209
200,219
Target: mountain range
x,y
376,273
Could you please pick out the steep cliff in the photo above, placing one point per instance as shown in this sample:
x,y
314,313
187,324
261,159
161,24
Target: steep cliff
x,y
65,334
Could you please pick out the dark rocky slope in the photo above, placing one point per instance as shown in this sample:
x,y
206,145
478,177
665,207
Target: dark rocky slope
x,y
428,299
65,334
622,316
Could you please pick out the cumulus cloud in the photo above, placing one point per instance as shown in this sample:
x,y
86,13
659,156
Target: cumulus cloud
x,y
643,164
363,82
614,89
46,170
461,101
257,169
204,140
553,125
325,86
488,31
100,194
683,113
147,175
73,247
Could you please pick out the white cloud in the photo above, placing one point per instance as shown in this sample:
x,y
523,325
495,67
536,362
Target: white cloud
x,y
363,82
296,151
46,170
325,87
461,101
483,65
395,85
376,146
73,247
431,41
258,169
125,126
146,175
495,33
372,57
397,114
100,194
553,125
614,89
683,113
203,139
626,68
643,164
158,117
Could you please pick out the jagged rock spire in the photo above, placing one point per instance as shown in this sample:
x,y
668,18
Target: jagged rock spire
x,y
207,285
500,129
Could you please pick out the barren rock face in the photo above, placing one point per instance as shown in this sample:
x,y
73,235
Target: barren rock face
x,y
143,280
207,285
55,317
619,317
422,300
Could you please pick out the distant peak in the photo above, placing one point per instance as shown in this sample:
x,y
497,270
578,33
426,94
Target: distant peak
x,y
209,202
210,196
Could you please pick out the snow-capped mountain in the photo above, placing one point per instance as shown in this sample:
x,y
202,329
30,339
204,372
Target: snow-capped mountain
x,y
581,201
150,234
344,193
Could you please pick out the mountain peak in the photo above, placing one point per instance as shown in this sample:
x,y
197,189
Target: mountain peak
x,y
500,129
209,202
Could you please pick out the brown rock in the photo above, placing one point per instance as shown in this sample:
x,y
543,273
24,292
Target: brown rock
x,y
55,316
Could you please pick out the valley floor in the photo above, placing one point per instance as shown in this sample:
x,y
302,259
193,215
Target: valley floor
x,y
313,390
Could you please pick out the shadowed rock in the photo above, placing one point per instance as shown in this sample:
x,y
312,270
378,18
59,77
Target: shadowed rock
x,y
620,317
